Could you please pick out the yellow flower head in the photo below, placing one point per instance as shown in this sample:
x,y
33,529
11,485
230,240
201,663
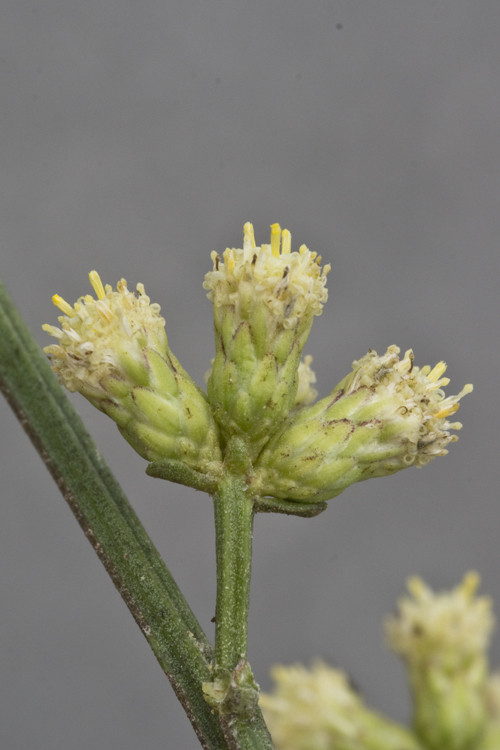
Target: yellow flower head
x,y
291,284
103,336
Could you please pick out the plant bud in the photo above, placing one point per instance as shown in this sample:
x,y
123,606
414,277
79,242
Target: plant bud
x,y
264,303
317,709
386,415
114,351
443,640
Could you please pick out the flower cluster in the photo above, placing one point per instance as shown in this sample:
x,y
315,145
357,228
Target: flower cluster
x,y
317,709
386,415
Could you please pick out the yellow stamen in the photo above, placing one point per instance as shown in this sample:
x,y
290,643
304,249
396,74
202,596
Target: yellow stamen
x,y
62,305
248,233
286,242
446,411
96,282
438,370
275,240
303,249
231,264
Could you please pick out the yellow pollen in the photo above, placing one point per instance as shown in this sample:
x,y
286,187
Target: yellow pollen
x,y
62,305
275,240
248,233
286,242
96,282
436,373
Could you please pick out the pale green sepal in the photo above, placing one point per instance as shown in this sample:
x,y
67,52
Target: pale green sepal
x,y
263,383
450,710
161,413
162,375
241,351
135,367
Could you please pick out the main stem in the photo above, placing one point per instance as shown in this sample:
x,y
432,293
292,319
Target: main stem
x,y
234,513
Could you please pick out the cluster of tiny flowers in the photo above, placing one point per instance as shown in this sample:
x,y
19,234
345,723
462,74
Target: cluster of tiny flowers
x,y
309,706
450,625
291,284
411,392
93,332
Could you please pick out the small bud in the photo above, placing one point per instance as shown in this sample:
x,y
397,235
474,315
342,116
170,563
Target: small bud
x,y
233,694
264,304
114,351
317,709
384,416
443,639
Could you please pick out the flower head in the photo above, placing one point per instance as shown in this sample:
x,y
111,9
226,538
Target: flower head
x,y
317,709
114,351
290,284
443,639
451,627
264,300
104,336
386,415
409,395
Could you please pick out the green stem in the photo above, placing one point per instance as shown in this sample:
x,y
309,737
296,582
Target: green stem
x,y
233,529
113,529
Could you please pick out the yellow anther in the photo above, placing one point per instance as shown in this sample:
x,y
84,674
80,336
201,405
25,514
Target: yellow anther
x,y
248,233
446,411
62,305
231,265
286,242
436,373
303,249
275,240
96,282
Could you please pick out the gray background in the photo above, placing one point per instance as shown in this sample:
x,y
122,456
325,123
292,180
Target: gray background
x,y
137,137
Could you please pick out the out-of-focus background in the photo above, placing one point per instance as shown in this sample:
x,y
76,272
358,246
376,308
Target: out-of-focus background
x,y
136,138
